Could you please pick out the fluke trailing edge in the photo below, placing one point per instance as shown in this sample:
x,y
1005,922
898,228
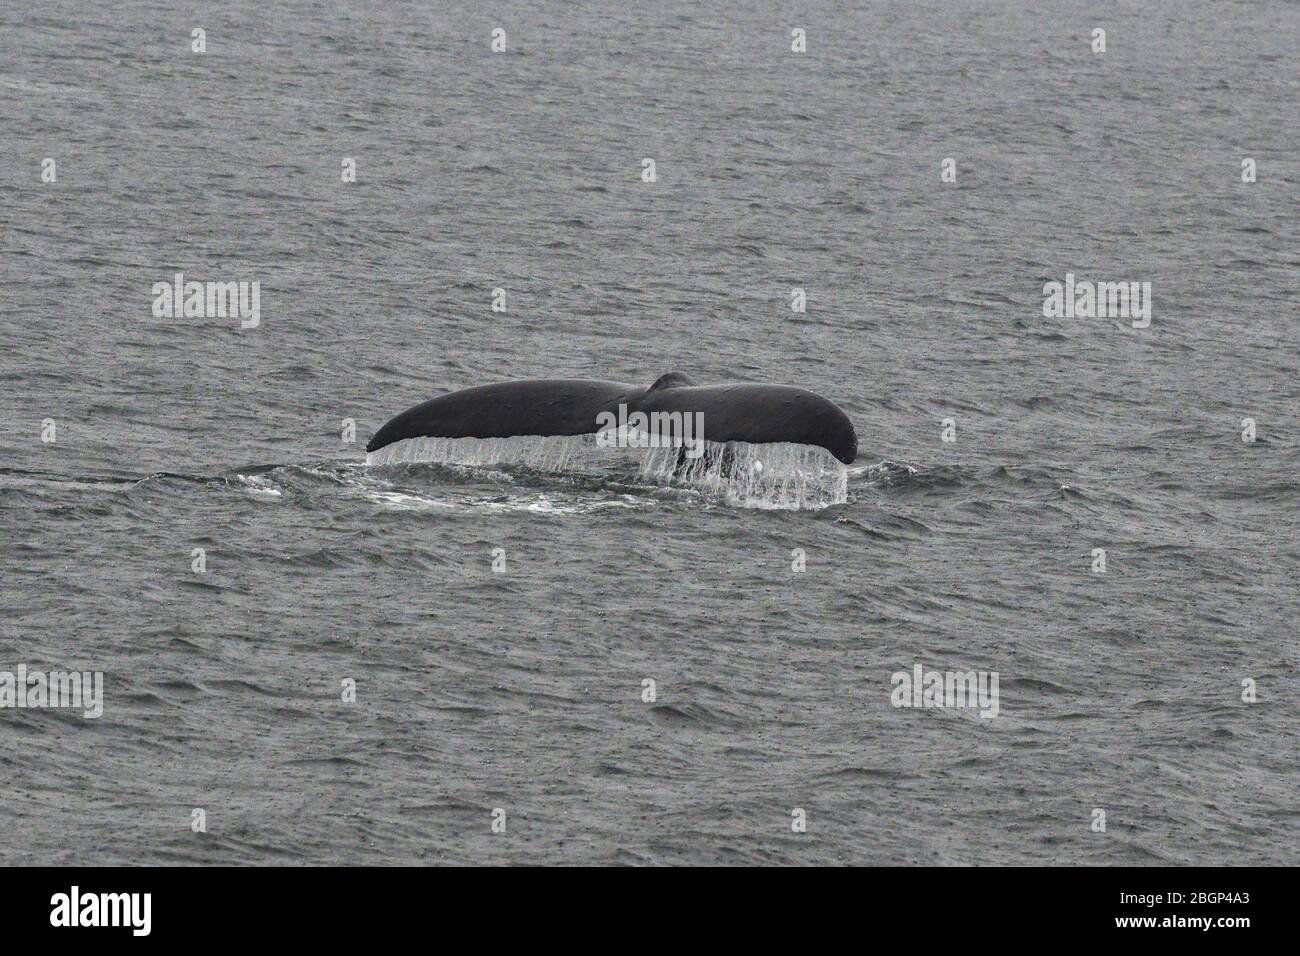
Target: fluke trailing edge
x,y
736,412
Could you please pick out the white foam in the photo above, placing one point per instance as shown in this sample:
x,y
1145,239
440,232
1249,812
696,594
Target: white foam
x,y
777,475
258,485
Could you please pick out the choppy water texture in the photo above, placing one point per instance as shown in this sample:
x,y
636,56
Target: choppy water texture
x,y
523,690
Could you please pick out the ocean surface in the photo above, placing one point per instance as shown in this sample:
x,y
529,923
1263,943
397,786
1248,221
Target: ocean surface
x,y
524,691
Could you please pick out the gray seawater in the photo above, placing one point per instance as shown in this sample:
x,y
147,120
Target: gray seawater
x,y
523,690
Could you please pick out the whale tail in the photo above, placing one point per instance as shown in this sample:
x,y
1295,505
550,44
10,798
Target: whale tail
x,y
738,412
759,445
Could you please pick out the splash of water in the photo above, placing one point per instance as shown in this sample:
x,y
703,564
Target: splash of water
x,y
777,475
541,453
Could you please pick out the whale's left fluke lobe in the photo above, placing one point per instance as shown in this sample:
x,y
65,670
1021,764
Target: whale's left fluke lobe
x,y
533,407
547,407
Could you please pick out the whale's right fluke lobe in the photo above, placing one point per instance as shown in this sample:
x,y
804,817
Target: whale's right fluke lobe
x,y
547,407
757,414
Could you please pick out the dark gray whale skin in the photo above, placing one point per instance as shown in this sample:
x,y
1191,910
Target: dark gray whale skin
x,y
736,412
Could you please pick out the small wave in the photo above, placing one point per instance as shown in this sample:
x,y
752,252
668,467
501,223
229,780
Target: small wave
x,y
886,473
896,476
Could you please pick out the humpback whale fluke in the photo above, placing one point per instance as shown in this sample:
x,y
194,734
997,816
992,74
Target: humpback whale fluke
x,y
737,412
